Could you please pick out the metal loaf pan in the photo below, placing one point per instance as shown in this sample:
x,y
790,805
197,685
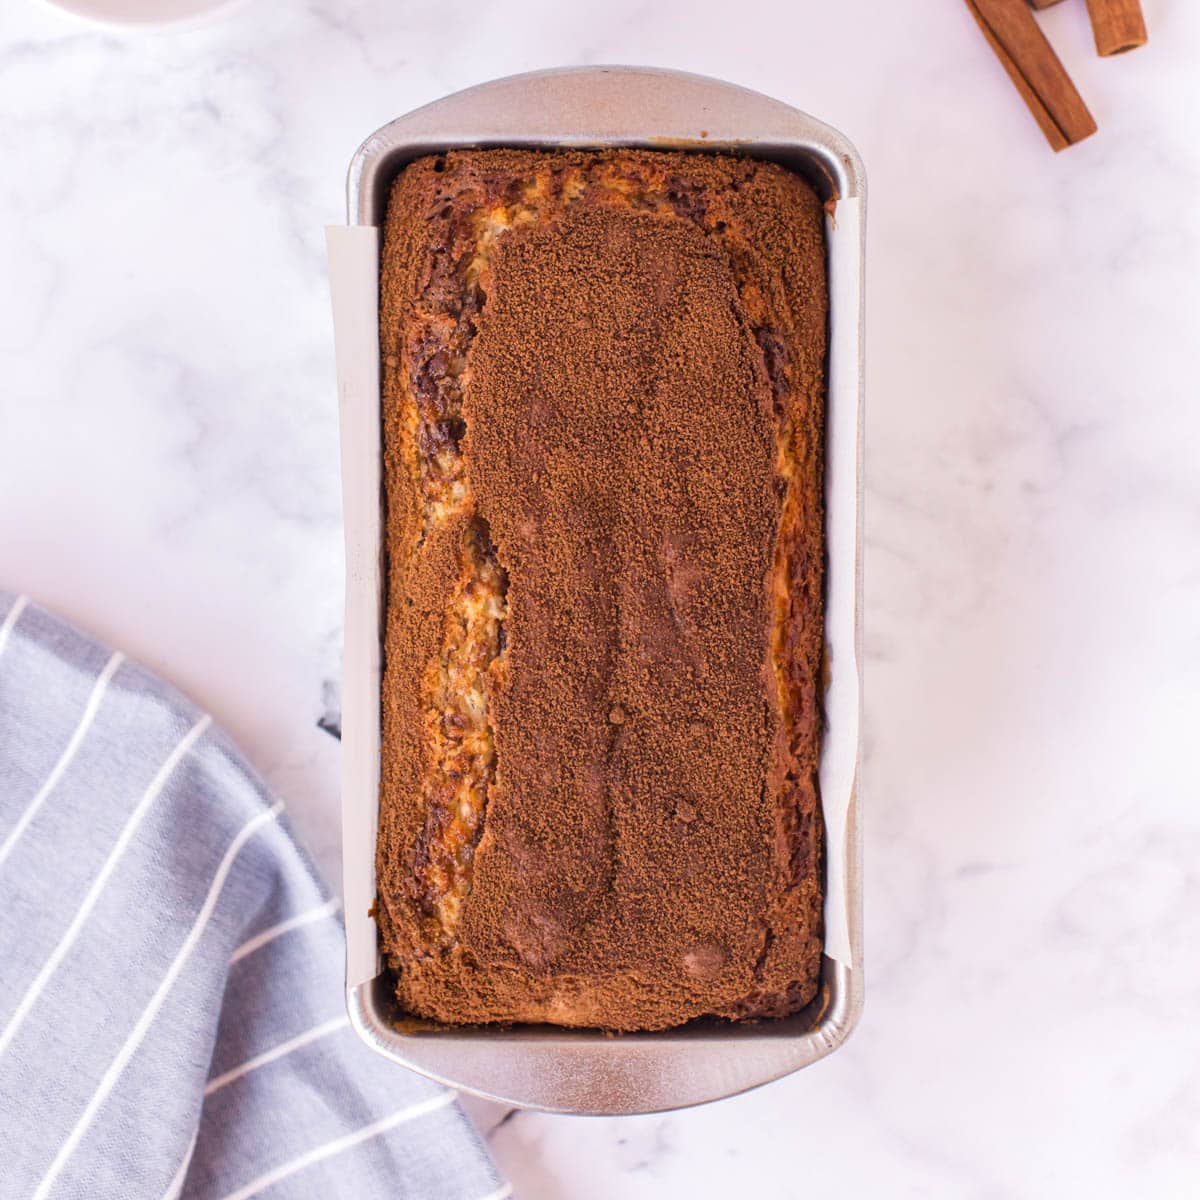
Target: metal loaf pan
x,y
568,1070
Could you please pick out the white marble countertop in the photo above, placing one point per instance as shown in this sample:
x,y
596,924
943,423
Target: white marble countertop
x,y
169,479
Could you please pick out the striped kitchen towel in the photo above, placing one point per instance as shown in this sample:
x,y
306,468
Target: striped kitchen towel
x,y
171,1010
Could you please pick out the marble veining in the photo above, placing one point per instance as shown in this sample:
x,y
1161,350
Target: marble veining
x,y
169,478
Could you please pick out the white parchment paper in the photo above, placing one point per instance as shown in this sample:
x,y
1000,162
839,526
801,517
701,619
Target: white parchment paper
x,y
354,286
354,283
843,531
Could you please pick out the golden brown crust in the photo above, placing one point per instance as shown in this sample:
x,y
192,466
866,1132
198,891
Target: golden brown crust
x,y
603,429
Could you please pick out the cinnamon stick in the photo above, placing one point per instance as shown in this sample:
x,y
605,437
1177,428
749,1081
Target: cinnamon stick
x,y
1118,25
1043,3
1013,33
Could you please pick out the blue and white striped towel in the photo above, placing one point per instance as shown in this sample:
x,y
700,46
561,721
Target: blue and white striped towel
x,y
171,1012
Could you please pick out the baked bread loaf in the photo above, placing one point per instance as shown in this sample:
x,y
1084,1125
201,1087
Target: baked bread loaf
x,y
603,426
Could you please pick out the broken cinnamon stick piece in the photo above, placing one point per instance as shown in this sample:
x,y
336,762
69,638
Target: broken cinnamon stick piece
x,y
1013,33
1118,25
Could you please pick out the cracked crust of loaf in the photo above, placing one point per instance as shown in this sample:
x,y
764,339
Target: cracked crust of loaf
x,y
603,430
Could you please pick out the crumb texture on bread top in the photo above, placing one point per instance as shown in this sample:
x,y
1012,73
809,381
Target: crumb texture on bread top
x,y
603,429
